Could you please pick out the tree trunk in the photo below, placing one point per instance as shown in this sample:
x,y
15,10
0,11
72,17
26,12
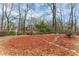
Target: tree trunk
x,y
54,18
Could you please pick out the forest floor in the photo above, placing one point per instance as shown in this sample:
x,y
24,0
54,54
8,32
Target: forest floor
x,y
40,45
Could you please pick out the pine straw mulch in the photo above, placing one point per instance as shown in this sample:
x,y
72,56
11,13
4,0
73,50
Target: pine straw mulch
x,y
40,45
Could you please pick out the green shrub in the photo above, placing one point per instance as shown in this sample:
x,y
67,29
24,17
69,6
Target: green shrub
x,y
12,33
43,28
48,30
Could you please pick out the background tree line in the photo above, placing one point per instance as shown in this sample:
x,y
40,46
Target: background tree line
x,y
21,18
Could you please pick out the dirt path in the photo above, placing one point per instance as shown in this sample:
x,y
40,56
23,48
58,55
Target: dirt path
x,y
3,40
62,47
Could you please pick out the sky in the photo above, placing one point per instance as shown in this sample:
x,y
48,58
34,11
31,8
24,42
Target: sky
x,y
42,9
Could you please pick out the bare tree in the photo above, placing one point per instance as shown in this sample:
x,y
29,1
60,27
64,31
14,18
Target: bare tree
x,y
61,20
2,18
19,22
53,10
71,20
75,24
25,16
75,19
54,16
7,14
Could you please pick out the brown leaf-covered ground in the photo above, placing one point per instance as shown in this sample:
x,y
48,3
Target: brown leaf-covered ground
x,y
40,45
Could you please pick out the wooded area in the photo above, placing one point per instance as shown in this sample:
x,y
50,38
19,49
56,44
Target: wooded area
x,y
14,19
